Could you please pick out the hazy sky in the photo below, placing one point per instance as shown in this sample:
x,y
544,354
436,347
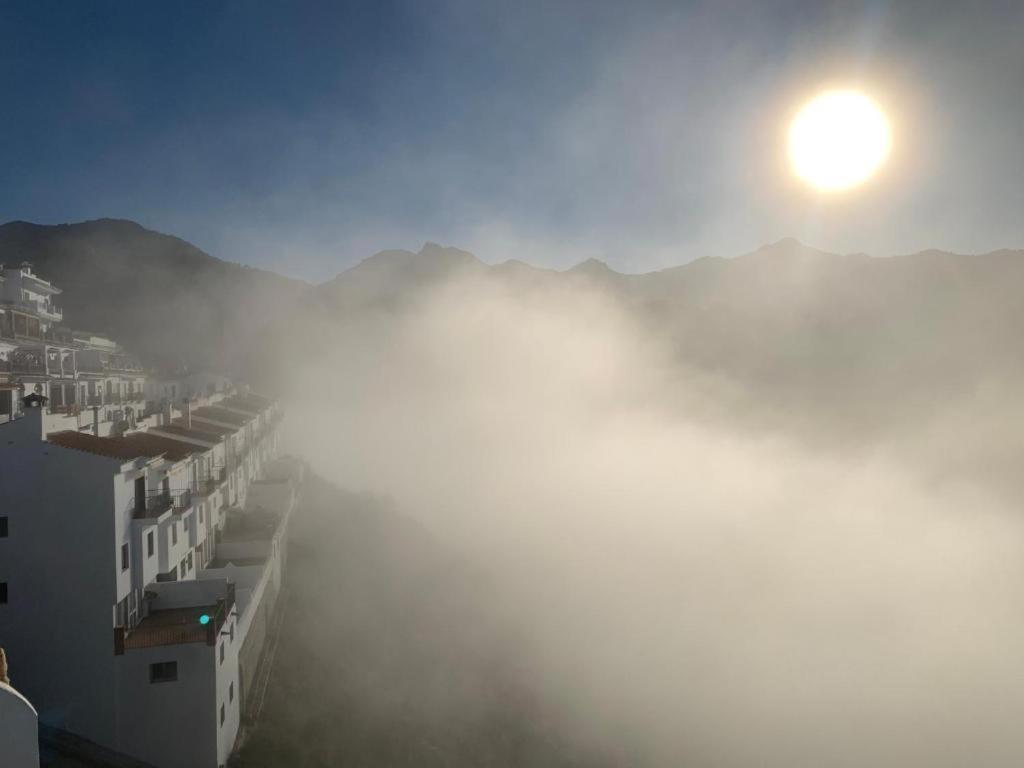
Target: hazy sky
x,y
307,136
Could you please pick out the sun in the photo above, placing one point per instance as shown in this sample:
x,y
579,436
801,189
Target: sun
x,y
838,139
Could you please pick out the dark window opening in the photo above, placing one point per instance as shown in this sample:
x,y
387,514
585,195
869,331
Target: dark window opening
x,y
149,544
163,672
124,557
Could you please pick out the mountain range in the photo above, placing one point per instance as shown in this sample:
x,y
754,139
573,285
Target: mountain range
x,y
821,337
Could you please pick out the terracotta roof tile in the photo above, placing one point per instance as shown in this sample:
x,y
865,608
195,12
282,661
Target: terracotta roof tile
x,y
125,448
216,413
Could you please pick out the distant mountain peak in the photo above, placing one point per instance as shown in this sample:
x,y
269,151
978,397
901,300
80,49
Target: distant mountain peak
x,y
593,267
786,248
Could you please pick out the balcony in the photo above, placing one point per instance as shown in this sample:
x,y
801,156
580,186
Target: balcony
x,y
28,363
65,410
51,312
181,500
154,504
177,624
208,484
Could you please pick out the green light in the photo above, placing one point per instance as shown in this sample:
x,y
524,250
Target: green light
x,y
204,619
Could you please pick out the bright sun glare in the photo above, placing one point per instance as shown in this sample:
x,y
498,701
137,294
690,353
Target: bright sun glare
x,y
838,139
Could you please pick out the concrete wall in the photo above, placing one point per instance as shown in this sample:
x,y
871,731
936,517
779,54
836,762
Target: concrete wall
x,y
61,566
19,730
171,724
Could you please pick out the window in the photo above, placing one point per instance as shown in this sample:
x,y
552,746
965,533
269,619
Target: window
x,y
201,510
149,544
222,714
231,692
190,561
163,672
174,533
3,601
124,557
184,564
222,653
3,526
231,631
184,524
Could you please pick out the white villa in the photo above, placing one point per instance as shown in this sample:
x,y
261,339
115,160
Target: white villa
x,y
142,540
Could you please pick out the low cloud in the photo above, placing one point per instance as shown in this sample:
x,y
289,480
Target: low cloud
x,y
681,589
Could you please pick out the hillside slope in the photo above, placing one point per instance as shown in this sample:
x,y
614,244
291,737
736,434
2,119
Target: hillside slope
x,y
163,298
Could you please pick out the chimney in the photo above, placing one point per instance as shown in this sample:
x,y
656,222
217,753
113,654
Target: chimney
x,y
96,420
187,412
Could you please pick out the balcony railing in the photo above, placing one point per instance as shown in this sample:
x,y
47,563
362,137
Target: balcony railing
x,y
181,500
224,608
204,486
210,482
25,366
66,410
154,504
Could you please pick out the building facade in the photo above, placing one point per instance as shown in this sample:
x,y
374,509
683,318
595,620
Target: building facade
x,y
141,552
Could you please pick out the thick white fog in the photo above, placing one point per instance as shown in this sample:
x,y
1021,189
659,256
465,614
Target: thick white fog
x,y
680,588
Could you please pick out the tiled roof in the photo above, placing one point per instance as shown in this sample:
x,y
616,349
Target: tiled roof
x,y
125,448
215,413
200,430
252,403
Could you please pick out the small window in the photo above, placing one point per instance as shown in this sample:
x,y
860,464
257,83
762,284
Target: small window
x,y
201,508
3,526
124,557
163,672
222,653
149,544
222,714
231,692
184,566
3,593
184,524
174,533
231,631
190,561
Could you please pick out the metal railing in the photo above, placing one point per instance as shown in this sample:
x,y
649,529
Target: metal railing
x,y
181,500
154,504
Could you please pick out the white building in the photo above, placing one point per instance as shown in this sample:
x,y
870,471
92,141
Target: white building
x,y
138,573
25,291
19,725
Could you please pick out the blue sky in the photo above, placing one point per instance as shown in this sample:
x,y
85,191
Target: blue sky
x,y
303,137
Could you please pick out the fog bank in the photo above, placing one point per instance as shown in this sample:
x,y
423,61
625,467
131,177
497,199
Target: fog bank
x,y
681,589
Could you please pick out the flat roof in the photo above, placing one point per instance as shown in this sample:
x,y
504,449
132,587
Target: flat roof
x,y
170,626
